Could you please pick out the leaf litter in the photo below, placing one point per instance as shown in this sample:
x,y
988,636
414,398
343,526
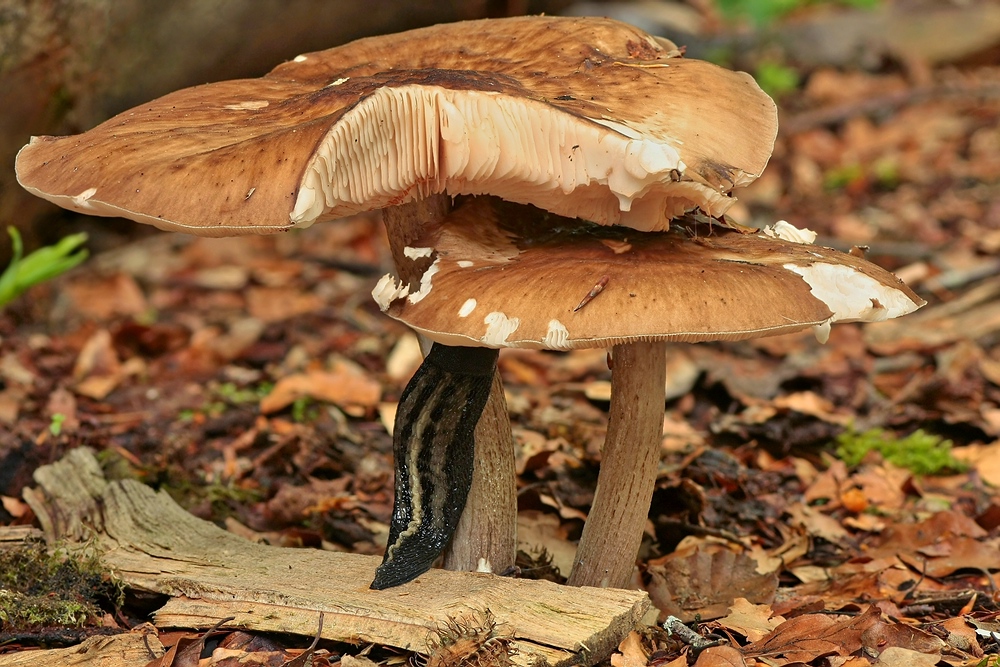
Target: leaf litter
x,y
251,379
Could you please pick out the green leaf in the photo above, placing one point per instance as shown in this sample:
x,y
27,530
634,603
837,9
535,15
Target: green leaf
x,y
41,265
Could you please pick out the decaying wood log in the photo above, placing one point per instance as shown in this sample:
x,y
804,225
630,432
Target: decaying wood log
x,y
154,545
130,649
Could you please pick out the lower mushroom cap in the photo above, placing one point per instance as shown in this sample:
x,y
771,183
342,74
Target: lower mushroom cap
x,y
502,275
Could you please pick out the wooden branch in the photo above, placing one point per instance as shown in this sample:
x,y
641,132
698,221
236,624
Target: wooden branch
x,y
153,544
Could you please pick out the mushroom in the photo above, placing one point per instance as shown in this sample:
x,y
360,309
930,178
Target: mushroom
x,y
581,117
505,276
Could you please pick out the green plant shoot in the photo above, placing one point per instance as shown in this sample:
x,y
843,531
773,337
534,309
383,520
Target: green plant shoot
x,y
41,265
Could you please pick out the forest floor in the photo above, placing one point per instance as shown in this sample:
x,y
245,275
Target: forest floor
x,y
831,505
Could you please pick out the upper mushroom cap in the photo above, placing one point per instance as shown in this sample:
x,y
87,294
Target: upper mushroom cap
x,y
500,278
584,117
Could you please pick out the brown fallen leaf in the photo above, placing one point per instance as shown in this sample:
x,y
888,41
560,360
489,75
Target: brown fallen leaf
x,y
102,298
630,652
345,384
703,577
720,656
97,370
894,656
753,621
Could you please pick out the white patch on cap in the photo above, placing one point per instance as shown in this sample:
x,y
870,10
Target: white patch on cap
x,y
387,290
425,282
465,263
557,336
467,308
82,200
247,106
851,295
786,231
498,328
338,81
417,253
822,332
300,59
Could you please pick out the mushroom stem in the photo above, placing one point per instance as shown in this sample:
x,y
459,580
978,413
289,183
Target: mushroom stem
x,y
485,538
611,536
486,533
433,444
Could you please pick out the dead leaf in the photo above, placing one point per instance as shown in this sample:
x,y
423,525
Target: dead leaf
x,y
703,577
894,656
345,384
273,304
97,371
985,458
753,621
630,652
720,656
818,524
103,298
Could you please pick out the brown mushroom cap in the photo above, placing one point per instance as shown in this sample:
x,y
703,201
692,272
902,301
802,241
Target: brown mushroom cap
x,y
501,278
531,109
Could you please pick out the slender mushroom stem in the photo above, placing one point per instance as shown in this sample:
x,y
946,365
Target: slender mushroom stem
x,y
486,533
609,545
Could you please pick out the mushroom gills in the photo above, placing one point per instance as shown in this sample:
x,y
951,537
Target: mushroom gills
x,y
434,449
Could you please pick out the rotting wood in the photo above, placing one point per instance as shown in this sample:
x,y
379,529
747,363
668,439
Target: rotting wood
x,y
153,544
130,649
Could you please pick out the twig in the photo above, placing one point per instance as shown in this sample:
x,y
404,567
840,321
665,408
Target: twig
x,y
675,627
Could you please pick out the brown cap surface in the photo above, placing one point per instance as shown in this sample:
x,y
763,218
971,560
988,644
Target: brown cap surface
x,y
580,116
501,277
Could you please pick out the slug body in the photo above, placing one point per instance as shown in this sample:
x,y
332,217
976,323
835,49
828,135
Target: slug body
x,y
434,449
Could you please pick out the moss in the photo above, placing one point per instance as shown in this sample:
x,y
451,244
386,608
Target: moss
x,y
42,589
920,452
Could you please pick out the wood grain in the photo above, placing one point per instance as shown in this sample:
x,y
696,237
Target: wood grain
x,y
153,544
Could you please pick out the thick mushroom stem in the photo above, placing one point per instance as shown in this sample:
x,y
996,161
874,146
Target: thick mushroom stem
x,y
486,532
609,545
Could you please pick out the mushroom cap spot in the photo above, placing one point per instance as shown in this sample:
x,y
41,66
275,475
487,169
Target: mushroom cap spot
x,y
465,264
786,231
417,253
822,332
667,286
425,283
248,105
386,291
851,295
82,200
499,327
557,112
467,308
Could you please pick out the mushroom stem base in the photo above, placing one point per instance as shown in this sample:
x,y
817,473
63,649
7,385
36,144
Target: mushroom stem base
x,y
486,537
434,449
611,536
